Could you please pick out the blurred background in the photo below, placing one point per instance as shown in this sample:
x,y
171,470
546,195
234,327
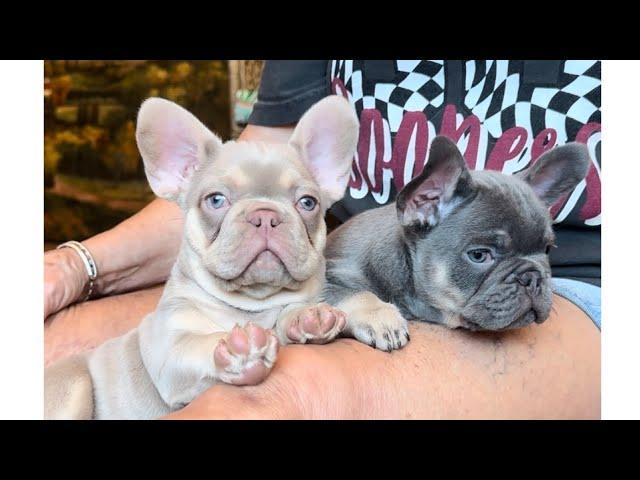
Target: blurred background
x,y
93,172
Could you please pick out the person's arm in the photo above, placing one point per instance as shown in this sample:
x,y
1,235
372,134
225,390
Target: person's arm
x,y
136,253
542,371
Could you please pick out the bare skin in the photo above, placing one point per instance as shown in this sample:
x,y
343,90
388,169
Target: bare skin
x,y
543,371
550,371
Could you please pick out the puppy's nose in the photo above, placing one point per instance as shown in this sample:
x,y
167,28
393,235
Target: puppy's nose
x,y
531,281
257,218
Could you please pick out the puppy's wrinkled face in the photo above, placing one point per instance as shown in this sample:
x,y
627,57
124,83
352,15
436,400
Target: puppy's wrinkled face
x,y
481,239
255,216
495,272
254,212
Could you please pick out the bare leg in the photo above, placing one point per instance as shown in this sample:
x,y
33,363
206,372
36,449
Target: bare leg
x,y
84,326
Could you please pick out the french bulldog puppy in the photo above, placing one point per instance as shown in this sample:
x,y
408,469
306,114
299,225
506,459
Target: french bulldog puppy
x,y
249,271
460,248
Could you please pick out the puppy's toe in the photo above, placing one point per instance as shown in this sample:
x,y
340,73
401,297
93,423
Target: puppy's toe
x,y
309,321
238,341
222,355
252,375
257,337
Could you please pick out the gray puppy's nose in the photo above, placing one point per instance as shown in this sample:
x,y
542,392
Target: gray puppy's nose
x,y
257,218
531,281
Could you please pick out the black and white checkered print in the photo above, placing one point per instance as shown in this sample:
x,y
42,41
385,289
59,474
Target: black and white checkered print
x,y
556,97
418,85
498,96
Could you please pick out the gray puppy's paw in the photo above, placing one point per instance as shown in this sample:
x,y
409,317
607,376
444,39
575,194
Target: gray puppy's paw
x,y
382,327
246,356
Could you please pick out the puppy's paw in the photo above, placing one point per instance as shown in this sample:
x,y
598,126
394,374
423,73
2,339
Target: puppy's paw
x,y
319,323
246,356
382,327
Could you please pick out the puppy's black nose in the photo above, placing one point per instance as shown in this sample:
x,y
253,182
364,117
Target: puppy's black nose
x,y
531,281
261,217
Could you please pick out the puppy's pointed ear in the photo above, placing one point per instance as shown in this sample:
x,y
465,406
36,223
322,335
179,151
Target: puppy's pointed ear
x,y
443,183
326,138
557,171
173,143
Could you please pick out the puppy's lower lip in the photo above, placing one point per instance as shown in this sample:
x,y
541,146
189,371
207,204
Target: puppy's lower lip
x,y
268,250
266,253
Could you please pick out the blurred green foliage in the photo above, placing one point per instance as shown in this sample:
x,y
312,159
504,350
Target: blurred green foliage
x,y
94,176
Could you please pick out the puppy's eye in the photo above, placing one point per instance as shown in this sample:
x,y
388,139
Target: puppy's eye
x,y
480,255
307,203
216,200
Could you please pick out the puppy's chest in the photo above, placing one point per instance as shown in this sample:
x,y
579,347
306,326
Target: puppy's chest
x,y
265,319
230,317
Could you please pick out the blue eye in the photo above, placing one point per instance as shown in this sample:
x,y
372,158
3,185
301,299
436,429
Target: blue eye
x,y
307,203
480,255
216,200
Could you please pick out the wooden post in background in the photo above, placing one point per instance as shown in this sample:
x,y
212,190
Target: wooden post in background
x,y
243,75
234,66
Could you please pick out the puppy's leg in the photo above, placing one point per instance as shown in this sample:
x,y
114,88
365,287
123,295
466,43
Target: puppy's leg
x,y
300,323
185,355
68,390
373,321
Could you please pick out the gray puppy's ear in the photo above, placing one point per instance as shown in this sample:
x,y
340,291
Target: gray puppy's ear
x,y
557,171
326,138
173,144
443,183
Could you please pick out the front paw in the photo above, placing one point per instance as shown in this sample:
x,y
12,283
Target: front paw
x,y
319,323
382,327
246,356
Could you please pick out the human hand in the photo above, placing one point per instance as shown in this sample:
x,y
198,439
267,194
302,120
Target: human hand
x,y
65,278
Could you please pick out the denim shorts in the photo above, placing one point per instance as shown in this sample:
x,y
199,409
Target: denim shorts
x,y
584,295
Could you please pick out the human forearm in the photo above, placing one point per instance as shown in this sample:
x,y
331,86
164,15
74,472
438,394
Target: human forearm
x,y
139,251
542,371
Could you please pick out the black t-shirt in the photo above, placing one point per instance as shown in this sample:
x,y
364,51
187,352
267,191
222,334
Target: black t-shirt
x,y
502,113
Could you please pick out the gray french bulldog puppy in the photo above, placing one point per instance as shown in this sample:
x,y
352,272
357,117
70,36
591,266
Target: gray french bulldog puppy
x,y
460,248
248,274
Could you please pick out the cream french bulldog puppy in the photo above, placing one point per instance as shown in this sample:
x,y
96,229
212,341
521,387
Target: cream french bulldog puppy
x,y
248,274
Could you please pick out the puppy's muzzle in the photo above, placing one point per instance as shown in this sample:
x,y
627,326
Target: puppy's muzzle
x,y
532,279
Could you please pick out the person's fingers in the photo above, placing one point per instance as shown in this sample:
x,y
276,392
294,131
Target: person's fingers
x,y
64,279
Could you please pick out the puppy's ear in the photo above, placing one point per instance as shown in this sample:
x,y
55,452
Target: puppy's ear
x,y
557,171
444,181
173,143
326,138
